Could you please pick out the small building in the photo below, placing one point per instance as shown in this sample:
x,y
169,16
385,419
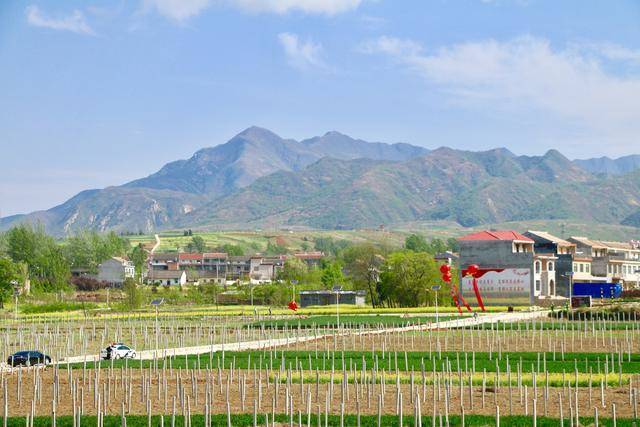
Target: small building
x,y
324,297
115,270
447,257
312,259
167,277
553,263
506,262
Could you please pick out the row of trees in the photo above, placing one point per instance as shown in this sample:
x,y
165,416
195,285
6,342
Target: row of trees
x,y
27,252
391,277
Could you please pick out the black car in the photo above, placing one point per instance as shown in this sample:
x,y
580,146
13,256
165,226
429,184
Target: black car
x,y
28,358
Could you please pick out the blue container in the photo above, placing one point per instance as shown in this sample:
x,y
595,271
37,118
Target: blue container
x,y
598,290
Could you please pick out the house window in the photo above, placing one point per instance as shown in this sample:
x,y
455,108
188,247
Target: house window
x,y
575,266
538,267
588,268
537,285
550,266
581,268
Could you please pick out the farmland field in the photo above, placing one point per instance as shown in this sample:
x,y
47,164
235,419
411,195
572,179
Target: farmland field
x,y
365,370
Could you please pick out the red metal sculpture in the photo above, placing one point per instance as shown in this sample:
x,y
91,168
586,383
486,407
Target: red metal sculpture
x,y
473,271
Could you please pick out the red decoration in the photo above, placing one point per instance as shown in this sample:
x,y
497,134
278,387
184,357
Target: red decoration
x,y
477,292
464,302
473,270
293,305
446,277
445,268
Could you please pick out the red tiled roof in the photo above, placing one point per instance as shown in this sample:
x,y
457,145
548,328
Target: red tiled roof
x,y
507,235
184,256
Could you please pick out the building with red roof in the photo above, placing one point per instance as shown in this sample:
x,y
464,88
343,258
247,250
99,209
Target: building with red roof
x,y
506,262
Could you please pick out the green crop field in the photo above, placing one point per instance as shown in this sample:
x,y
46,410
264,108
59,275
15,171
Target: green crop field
x,y
245,420
396,361
348,321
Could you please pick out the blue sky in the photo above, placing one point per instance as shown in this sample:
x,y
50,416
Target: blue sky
x,y
96,93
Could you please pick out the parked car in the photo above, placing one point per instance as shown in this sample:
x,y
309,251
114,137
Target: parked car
x,y
28,358
118,351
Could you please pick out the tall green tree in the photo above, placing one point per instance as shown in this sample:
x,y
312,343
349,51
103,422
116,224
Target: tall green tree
x,y
362,264
47,266
407,277
133,294
231,250
332,275
197,244
139,258
9,271
88,249
293,269
416,243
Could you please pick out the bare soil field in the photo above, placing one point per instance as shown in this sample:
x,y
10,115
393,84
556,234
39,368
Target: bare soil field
x,y
182,391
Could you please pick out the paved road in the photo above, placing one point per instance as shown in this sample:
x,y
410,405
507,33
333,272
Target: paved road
x,y
261,344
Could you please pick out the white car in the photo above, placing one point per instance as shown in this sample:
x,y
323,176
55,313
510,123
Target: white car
x,y
118,351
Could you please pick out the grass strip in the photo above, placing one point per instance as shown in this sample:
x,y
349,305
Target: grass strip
x,y
391,361
244,420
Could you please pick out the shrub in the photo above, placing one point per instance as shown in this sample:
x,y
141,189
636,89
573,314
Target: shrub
x,y
84,283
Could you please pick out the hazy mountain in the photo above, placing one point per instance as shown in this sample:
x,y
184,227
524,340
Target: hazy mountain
x,y
219,170
333,181
633,219
466,187
340,146
608,166
160,199
113,208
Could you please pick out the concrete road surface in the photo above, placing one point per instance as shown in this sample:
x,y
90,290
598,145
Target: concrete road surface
x,y
261,344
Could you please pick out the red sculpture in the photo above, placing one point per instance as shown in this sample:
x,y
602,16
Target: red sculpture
x,y
473,271
293,305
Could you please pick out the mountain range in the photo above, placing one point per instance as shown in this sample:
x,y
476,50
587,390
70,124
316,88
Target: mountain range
x,y
259,179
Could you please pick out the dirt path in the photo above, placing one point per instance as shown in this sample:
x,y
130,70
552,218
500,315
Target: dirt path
x,y
156,245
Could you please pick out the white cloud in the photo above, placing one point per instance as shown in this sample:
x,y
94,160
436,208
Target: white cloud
x,y
182,10
74,22
578,84
326,7
177,10
301,55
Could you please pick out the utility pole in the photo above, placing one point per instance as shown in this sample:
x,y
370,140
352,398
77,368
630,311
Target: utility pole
x,y
16,292
436,288
337,289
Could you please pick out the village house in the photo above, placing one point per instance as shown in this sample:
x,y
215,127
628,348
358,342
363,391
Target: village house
x,y
167,277
115,270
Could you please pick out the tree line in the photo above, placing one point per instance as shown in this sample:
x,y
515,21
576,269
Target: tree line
x,y
390,276
27,252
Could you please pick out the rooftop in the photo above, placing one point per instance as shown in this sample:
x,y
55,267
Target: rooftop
x,y
165,274
496,235
190,256
309,255
550,237
588,242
